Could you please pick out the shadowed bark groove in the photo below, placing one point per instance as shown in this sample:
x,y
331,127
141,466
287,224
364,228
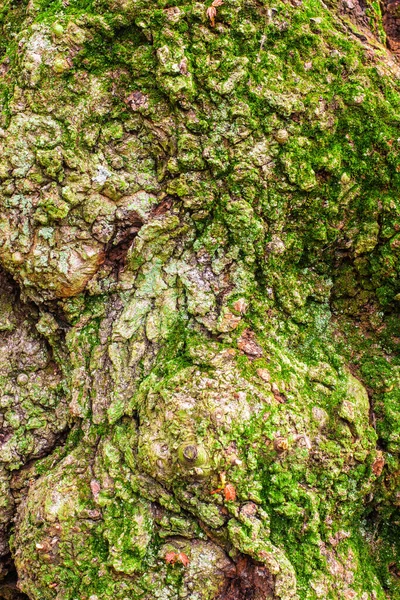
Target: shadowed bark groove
x,y
248,581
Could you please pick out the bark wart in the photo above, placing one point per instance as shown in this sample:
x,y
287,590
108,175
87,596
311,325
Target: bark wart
x,y
198,305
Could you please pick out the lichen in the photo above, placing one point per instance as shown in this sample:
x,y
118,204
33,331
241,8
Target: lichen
x,y
203,222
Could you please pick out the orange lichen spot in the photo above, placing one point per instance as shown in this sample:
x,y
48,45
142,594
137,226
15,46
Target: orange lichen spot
x,y
230,492
183,559
378,464
212,11
172,558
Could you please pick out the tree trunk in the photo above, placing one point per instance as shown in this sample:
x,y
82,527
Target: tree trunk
x,y
199,243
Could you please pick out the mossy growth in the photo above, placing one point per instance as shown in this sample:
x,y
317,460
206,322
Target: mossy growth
x,y
207,216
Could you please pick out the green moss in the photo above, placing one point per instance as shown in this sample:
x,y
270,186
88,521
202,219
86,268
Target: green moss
x,y
238,184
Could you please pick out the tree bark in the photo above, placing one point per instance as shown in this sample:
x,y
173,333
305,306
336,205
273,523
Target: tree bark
x,y
199,244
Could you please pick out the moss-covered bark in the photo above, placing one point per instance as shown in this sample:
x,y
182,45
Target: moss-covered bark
x,y
199,237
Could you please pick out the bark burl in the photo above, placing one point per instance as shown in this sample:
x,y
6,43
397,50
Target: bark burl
x,y
199,293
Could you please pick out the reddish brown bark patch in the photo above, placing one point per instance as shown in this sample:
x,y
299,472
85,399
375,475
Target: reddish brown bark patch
x,y
247,343
248,581
391,23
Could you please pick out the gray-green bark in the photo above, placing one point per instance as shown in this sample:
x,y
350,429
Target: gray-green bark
x,y
199,244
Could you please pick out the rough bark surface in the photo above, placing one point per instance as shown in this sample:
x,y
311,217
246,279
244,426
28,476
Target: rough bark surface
x,y
199,291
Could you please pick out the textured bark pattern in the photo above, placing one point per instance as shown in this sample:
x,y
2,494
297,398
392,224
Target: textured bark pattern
x,y
199,244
